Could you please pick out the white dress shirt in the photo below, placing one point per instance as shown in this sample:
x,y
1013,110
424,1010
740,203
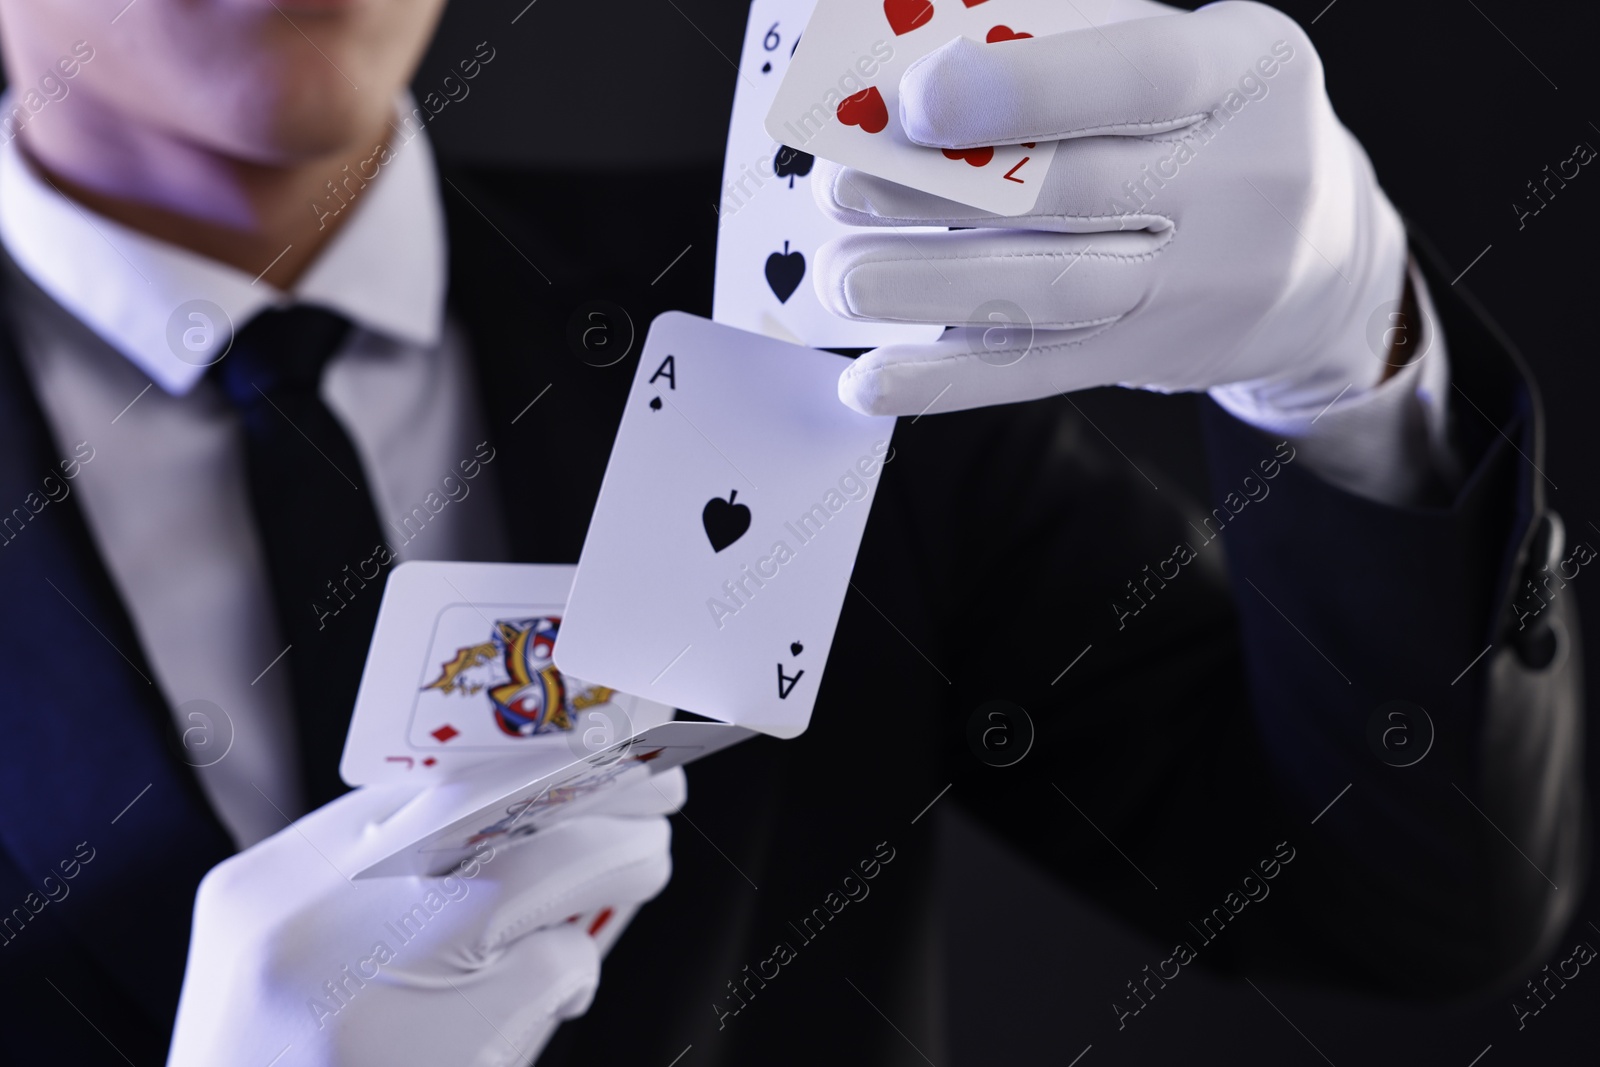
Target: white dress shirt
x,y
165,495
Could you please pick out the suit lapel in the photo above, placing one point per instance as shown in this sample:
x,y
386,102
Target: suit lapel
x,y
89,753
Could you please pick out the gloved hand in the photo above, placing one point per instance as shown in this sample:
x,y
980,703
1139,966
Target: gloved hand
x,y
289,956
1206,224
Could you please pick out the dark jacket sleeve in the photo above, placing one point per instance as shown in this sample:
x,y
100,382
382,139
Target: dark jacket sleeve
x,y
1427,659
1365,689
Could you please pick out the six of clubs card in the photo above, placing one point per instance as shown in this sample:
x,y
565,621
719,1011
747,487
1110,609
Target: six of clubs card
x,y
727,527
840,96
769,226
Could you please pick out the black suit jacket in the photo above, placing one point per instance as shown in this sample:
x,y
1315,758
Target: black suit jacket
x,y
1202,735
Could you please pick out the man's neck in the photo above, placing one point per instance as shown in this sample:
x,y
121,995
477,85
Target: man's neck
x,y
266,220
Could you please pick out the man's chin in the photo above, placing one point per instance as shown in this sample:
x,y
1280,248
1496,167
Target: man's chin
x,y
306,129
305,7
309,140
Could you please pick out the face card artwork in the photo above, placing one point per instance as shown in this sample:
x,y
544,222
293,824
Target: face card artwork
x,y
840,98
462,670
769,226
502,688
507,802
727,526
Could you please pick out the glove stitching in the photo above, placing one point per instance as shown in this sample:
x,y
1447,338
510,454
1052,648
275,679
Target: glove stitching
x,y
508,934
852,370
857,312
515,1056
1085,131
1128,258
978,221
952,220
986,222
1002,256
1075,324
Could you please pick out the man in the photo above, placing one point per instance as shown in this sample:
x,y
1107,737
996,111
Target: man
x,y
1210,729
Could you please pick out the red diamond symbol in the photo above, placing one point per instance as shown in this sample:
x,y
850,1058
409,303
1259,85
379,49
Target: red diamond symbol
x,y
445,733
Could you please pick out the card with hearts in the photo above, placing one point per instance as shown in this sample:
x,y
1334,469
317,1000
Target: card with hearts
x,y
840,97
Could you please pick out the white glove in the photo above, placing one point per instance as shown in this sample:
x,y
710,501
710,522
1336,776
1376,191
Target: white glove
x,y
290,958
1206,223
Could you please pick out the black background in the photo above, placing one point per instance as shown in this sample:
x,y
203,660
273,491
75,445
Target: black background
x,y
1457,119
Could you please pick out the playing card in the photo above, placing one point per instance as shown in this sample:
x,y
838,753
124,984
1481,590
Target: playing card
x,y
502,803
769,226
722,544
460,671
840,98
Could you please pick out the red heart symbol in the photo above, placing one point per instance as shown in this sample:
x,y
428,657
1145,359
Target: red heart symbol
x,y
1004,33
865,109
906,15
974,3
975,157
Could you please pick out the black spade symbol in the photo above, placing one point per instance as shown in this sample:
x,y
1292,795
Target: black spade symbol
x,y
795,648
791,162
655,403
784,271
724,520
766,68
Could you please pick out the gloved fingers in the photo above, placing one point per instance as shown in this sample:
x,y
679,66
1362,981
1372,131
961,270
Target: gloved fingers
x,y
988,277
305,859
658,794
567,958
345,821
973,367
1090,188
461,923
582,865
541,981
1137,77
500,1016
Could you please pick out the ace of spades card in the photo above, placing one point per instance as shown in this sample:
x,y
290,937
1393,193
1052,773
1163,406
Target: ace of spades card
x,y
727,527
834,109
769,225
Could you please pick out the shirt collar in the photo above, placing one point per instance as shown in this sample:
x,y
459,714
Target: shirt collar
x,y
385,269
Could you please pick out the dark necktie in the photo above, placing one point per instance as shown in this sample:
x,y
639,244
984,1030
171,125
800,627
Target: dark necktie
x,y
316,518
